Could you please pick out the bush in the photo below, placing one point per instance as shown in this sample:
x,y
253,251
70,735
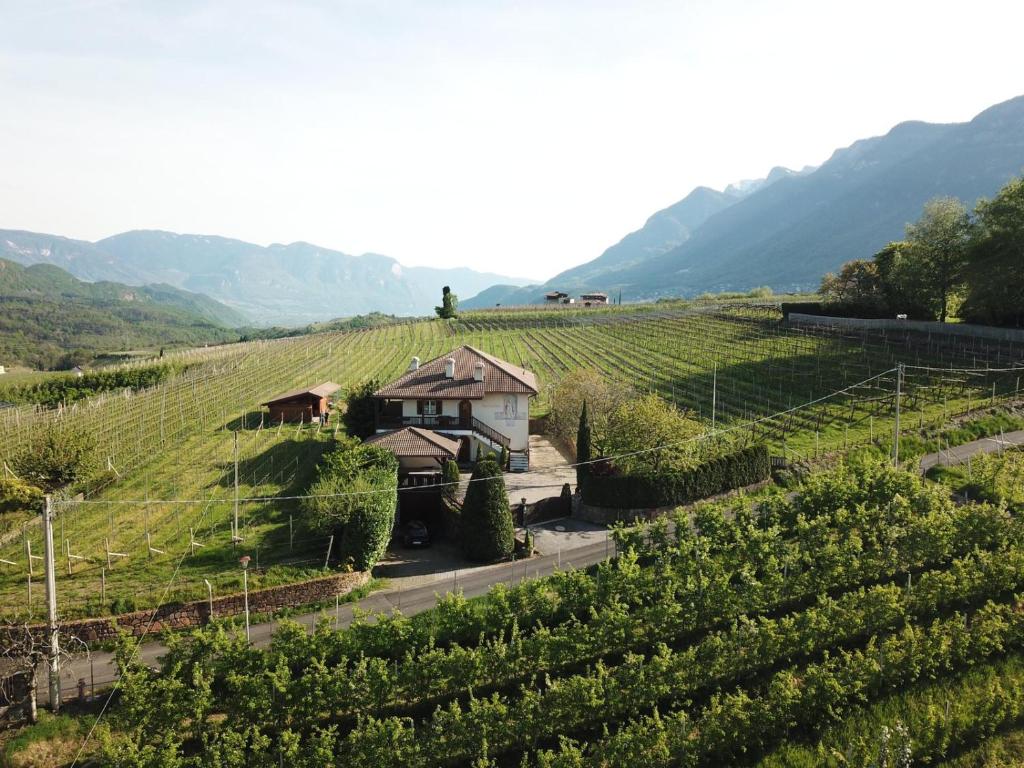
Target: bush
x,y
638,491
361,521
486,522
16,494
359,418
60,456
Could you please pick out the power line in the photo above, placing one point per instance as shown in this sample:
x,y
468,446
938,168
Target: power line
x,y
569,465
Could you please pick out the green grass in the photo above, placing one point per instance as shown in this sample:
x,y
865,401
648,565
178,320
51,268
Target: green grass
x,y
51,742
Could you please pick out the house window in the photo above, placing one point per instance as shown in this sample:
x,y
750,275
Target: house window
x,y
428,407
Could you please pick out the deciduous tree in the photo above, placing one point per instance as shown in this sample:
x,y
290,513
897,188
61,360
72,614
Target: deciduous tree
x,y
933,262
995,273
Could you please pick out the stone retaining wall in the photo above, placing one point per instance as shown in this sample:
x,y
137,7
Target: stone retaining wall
x,y
177,616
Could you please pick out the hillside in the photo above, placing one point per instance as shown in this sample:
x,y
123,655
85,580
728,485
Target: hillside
x,y
278,284
789,233
49,318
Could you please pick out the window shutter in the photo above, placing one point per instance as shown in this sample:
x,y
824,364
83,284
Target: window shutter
x,y
419,407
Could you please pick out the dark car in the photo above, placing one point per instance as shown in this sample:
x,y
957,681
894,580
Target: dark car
x,y
415,534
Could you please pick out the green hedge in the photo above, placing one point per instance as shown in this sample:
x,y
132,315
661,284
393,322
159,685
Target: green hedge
x,y
723,473
355,496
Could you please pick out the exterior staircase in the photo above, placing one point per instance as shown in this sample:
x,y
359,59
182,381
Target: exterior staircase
x,y
519,461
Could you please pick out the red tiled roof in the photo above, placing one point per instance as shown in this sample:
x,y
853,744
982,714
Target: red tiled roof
x,y
413,441
321,390
429,380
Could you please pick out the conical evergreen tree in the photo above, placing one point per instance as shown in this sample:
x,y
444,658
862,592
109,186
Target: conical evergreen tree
x,y
583,446
487,533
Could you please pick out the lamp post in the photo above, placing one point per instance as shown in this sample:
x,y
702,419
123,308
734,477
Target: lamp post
x,y
244,560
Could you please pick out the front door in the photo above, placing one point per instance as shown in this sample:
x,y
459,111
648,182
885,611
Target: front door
x,y
465,413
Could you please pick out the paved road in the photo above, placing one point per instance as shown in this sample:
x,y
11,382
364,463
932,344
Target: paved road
x,y
960,453
99,670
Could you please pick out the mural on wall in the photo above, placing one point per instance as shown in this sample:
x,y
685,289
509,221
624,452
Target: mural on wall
x,y
510,413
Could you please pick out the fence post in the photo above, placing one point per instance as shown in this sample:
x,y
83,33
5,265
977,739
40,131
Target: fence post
x,y
51,606
330,544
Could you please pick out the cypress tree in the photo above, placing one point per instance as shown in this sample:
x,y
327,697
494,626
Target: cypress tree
x,y
486,532
583,446
450,478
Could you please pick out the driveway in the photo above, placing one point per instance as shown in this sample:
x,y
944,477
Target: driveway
x,y
547,474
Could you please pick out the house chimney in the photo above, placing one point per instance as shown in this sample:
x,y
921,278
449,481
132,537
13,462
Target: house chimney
x,y
415,364
478,371
449,368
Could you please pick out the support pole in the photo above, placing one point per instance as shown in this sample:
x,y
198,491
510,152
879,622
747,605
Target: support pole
x,y
714,395
51,606
896,426
235,535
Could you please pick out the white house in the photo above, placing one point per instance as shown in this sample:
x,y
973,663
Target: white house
x,y
468,396
2,370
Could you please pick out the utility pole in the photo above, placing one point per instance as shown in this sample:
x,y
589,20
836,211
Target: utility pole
x,y
51,605
896,426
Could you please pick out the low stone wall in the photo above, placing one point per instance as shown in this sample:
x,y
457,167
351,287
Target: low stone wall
x,y
178,616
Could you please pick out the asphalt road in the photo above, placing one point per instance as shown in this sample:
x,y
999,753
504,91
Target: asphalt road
x,y
98,669
960,453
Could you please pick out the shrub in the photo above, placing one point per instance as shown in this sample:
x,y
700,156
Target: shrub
x,y
658,489
356,490
16,494
583,452
60,456
486,522
359,418
450,478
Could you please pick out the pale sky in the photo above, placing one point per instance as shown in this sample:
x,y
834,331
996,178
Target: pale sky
x,y
521,138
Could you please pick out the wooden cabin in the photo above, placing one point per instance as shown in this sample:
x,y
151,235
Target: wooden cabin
x,y
307,404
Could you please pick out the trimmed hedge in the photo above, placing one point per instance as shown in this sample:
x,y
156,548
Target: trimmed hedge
x,y
723,473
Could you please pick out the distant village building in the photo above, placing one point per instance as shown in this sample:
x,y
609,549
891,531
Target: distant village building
x,y
467,396
302,404
2,370
593,299
555,297
78,371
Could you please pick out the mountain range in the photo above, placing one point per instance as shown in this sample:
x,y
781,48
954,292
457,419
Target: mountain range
x,y
277,284
49,318
789,229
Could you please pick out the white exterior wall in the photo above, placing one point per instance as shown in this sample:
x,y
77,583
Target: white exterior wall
x,y
508,414
491,410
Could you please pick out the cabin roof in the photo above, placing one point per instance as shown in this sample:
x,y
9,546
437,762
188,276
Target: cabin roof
x,y
326,389
429,381
416,442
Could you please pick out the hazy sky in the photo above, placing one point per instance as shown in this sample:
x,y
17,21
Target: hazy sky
x,y
517,137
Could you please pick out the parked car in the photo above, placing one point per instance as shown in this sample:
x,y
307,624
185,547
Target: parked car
x,y
415,534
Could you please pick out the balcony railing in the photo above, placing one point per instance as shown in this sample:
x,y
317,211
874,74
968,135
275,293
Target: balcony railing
x,y
440,422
